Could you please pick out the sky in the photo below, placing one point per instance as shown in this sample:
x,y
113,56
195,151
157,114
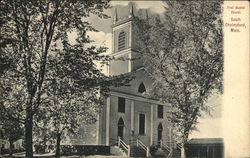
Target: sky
x,y
208,126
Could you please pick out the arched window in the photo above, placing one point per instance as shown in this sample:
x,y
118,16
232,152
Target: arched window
x,y
160,128
120,122
121,41
141,88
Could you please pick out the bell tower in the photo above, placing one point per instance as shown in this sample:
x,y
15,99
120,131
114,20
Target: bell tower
x,y
123,44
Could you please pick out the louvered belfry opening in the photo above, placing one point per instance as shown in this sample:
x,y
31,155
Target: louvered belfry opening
x,y
121,41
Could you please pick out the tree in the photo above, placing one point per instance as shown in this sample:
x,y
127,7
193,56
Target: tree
x,y
183,53
66,116
76,90
39,30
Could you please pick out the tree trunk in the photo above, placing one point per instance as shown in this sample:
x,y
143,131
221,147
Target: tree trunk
x,y
44,144
58,142
183,154
28,134
11,147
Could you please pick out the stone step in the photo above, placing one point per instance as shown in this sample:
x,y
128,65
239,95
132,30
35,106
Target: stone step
x,y
115,150
137,152
176,153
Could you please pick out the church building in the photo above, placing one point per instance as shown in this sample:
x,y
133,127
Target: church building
x,y
127,113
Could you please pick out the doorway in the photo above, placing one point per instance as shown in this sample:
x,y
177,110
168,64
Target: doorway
x,y
120,128
160,129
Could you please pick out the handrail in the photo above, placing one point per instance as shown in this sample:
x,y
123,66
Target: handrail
x,y
139,143
170,150
124,145
170,153
143,146
179,146
164,145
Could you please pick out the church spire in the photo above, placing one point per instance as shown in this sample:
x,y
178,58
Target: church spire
x,y
131,11
115,17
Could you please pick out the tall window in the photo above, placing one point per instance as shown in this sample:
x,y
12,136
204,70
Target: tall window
x,y
142,124
121,41
141,88
121,104
160,111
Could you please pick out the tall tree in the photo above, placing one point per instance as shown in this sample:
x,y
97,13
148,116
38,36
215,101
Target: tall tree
x,y
73,91
39,30
183,53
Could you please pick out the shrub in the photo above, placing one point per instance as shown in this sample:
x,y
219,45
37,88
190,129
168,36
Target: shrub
x,y
153,149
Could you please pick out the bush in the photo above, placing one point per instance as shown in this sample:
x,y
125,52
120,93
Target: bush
x,y
153,149
39,148
7,151
84,150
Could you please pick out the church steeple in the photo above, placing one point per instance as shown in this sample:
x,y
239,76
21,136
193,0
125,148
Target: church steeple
x,y
131,10
115,17
123,39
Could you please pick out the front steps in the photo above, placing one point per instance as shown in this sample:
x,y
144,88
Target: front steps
x,y
160,153
176,153
134,151
137,152
116,151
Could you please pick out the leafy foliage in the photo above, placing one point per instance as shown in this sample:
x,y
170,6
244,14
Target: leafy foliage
x,y
183,54
12,131
51,77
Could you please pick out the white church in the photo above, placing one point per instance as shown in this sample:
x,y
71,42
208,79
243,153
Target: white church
x,y
128,118
127,113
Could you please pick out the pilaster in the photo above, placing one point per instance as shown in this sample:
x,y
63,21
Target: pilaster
x,y
132,115
107,120
152,124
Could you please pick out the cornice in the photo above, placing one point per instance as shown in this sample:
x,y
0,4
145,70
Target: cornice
x,y
136,97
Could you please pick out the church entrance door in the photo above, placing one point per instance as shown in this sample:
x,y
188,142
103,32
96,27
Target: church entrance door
x,y
120,128
159,133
